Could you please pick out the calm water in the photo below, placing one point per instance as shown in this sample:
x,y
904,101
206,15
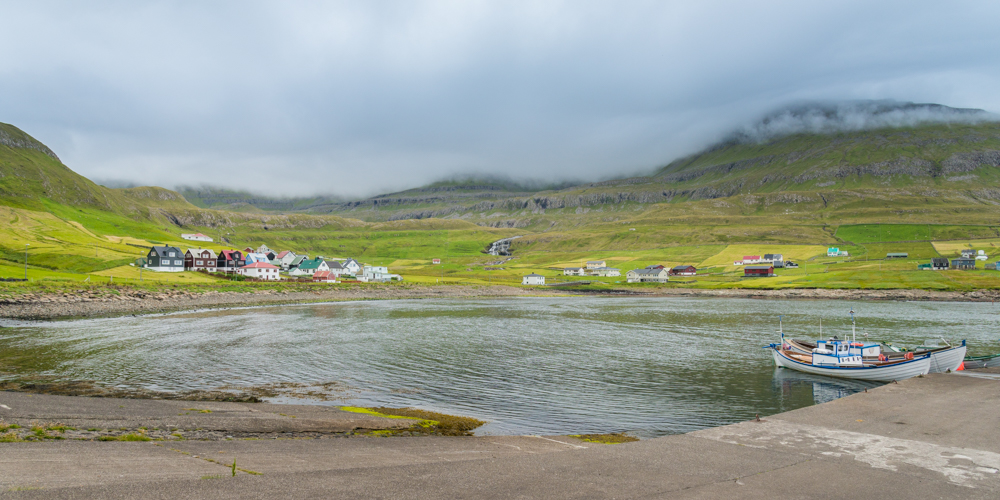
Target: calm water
x,y
537,366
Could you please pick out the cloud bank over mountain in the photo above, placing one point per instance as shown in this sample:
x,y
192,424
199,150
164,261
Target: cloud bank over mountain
x,y
357,98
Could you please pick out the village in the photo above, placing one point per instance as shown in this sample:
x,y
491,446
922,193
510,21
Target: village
x,y
261,264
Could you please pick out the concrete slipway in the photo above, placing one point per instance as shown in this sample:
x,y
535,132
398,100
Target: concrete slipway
x,y
932,437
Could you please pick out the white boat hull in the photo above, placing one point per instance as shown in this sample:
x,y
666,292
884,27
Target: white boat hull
x,y
887,373
947,359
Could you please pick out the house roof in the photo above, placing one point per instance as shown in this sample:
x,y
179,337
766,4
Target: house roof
x,y
228,254
594,261
162,251
655,266
334,264
260,265
348,261
533,275
759,268
681,268
647,271
310,264
607,269
199,251
572,268
939,260
282,254
751,257
195,234
321,274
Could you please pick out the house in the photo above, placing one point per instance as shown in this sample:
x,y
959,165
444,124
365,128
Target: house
x,y
647,276
297,260
435,261
608,272
165,259
574,271
260,271
968,253
375,273
963,263
533,279
229,261
683,271
758,271
309,267
196,237
896,255
594,264
285,259
264,250
925,267
352,266
773,257
247,250
990,266
252,257
656,266
200,259
324,277
836,252
981,255
790,265
751,259
939,263
336,268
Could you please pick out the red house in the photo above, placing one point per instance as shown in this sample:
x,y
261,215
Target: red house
x,y
229,261
758,271
655,266
435,261
324,277
683,271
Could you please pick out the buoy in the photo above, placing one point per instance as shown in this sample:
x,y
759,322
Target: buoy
x,y
960,367
908,355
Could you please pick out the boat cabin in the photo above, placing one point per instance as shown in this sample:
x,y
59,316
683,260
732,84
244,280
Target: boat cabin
x,y
835,352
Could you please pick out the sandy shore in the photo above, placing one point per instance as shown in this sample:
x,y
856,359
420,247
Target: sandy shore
x,y
119,301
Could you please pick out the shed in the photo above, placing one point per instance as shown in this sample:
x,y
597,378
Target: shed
x,y
758,271
324,277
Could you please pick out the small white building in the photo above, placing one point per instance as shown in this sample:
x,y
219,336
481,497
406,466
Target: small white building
x,y
374,273
574,271
606,271
647,276
196,237
263,249
981,255
352,266
533,279
260,270
594,264
285,259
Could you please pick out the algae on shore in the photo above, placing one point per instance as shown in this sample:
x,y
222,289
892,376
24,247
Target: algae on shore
x,y
429,422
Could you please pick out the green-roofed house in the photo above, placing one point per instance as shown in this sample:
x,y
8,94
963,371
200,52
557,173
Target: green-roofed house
x,y
308,267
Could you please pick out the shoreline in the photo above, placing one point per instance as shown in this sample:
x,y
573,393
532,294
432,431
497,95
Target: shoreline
x,y
107,302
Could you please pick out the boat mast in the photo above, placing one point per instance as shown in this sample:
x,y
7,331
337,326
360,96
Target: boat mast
x,y
854,335
781,332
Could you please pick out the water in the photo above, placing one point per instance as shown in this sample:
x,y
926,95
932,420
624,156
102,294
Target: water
x,y
528,366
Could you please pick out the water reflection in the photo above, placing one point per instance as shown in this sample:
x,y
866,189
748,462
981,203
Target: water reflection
x,y
539,366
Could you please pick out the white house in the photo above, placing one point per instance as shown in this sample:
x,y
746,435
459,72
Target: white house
x,y
574,271
352,266
533,279
607,271
251,258
260,270
647,276
309,267
594,264
285,259
263,249
981,255
196,237
374,273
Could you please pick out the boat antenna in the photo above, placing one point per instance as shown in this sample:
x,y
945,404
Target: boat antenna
x,y
780,330
853,333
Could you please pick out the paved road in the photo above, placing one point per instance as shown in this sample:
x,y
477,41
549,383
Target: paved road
x,y
932,437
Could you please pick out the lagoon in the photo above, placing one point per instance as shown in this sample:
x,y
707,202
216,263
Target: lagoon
x,y
650,366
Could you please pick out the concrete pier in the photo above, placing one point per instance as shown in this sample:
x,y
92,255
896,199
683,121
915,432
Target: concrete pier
x,y
932,437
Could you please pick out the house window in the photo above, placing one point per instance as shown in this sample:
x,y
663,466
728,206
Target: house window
x,y
199,262
178,263
172,254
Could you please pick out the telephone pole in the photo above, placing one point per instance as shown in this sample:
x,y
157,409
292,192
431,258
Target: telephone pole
x,y
26,262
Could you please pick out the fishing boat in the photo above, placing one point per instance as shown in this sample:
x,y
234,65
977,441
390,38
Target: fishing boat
x,y
847,359
991,361
944,358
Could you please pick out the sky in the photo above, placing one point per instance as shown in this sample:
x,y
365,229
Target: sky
x,y
359,98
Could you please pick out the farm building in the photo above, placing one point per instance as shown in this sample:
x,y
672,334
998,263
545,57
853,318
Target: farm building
x,y
260,270
656,266
574,271
435,261
196,237
939,263
594,264
200,259
324,277
758,271
647,276
968,253
751,259
533,279
606,271
963,263
683,271
897,255
229,261
166,259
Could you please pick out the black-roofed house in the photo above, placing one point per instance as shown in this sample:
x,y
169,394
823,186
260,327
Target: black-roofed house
x,y
165,259
683,271
939,263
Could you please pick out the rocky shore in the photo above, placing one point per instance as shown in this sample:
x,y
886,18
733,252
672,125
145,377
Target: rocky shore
x,y
120,301
123,300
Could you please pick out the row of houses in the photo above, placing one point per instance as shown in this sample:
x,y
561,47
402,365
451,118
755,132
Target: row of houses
x,y
261,263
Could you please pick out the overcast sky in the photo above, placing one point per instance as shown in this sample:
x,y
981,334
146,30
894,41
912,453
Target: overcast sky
x,y
356,98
